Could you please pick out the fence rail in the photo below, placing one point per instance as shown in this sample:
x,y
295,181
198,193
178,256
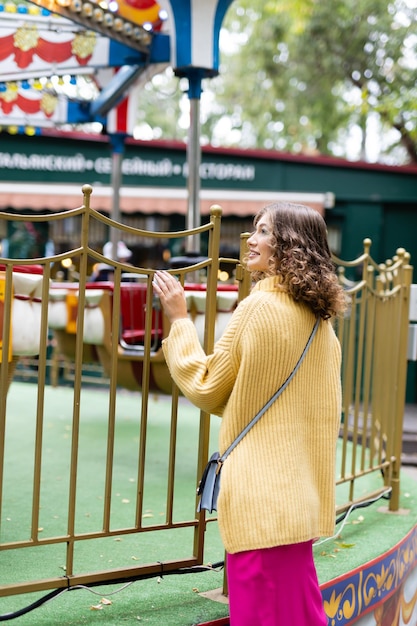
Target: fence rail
x,y
98,323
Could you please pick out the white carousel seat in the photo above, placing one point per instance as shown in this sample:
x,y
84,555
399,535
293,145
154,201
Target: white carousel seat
x,y
26,313
57,309
61,310
93,317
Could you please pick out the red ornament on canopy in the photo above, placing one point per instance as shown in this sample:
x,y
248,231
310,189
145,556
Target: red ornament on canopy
x,y
26,42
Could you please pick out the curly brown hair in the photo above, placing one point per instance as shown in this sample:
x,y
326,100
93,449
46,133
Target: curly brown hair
x,y
302,258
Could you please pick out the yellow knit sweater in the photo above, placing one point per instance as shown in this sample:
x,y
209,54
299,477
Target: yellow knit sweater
x,y
278,484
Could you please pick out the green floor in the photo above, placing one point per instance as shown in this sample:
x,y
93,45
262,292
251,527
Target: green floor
x,y
173,600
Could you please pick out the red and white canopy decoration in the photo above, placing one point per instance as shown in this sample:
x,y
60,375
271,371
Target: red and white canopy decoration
x,y
33,46
41,44
31,107
27,42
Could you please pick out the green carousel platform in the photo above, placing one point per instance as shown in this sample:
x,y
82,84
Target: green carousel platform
x,y
367,573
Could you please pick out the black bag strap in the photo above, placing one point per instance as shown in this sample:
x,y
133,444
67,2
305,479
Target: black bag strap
x,y
272,399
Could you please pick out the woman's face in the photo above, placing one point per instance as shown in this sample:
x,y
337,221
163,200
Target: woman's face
x,y
260,246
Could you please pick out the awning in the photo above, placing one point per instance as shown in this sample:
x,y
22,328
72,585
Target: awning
x,y
41,197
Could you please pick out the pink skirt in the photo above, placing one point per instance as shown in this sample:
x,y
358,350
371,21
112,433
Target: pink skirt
x,y
275,587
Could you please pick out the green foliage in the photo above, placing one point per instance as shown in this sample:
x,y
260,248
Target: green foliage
x,y
307,76
159,110
310,71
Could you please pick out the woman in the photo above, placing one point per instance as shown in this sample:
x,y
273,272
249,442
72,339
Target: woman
x,y
278,485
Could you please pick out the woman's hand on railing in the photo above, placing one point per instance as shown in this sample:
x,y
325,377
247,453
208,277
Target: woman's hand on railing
x,y
171,294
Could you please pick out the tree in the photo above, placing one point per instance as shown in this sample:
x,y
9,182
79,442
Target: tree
x,y
160,113
308,73
311,76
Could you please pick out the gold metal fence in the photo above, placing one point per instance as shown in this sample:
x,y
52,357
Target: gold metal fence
x,y
96,328
373,336
29,306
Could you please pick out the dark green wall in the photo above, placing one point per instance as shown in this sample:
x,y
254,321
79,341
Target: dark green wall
x,y
358,221
374,201
371,200
81,159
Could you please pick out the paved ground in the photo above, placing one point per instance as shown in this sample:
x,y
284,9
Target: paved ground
x,y
411,470
409,457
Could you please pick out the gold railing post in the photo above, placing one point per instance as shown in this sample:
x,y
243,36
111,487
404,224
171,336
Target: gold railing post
x,y
242,275
79,344
212,277
401,369
208,344
6,368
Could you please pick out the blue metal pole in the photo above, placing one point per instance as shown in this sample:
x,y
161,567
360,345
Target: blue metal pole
x,y
195,53
194,159
117,142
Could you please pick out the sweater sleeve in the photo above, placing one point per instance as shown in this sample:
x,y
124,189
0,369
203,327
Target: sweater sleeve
x,y
206,380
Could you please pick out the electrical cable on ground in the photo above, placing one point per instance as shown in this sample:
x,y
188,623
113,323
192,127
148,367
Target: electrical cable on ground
x,y
186,570
215,567
359,505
